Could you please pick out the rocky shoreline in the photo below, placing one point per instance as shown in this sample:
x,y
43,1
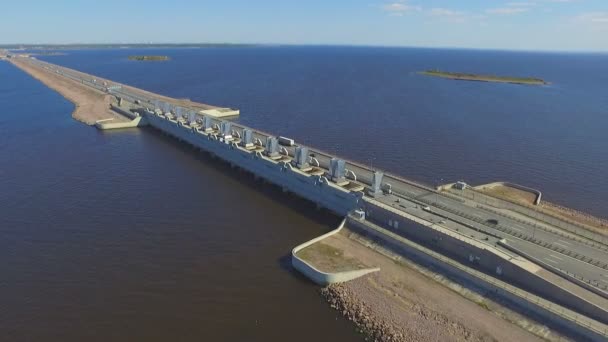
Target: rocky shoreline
x,y
403,302
576,215
342,299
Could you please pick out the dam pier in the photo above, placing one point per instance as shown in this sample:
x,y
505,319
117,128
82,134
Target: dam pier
x,y
552,268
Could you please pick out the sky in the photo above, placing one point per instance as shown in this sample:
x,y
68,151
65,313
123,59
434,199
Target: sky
x,y
562,25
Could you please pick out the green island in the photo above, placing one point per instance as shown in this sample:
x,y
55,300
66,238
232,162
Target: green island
x,y
149,58
485,78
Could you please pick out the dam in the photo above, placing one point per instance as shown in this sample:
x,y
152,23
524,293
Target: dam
x,y
465,230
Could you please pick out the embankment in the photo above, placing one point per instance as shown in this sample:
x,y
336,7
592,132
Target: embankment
x,y
90,105
401,303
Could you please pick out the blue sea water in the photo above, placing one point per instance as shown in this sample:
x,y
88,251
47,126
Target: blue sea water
x,y
371,105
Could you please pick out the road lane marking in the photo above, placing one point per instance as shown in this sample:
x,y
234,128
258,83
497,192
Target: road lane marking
x,y
555,256
551,261
561,244
566,242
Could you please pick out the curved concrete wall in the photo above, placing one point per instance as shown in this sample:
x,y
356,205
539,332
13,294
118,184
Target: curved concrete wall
x,y
538,194
320,277
108,124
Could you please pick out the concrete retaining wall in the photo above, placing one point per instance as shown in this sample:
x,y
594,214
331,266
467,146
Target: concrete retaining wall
x,y
546,311
515,186
314,188
109,124
320,277
123,111
556,270
326,194
485,259
560,222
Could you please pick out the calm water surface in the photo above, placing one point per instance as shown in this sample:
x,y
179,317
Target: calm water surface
x,y
369,104
129,235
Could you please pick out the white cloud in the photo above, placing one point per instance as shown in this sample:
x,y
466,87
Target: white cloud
x,y
516,7
399,8
438,11
521,4
449,14
597,18
507,10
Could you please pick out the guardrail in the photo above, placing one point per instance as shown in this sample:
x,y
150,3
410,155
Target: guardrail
x,y
562,223
577,279
525,237
566,314
456,235
571,236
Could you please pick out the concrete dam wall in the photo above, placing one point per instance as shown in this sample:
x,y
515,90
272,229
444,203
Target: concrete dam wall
x,y
316,188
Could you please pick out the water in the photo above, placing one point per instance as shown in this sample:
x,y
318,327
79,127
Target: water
x,y
370,105
129,235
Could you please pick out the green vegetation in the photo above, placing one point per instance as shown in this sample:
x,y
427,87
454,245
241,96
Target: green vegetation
x,y
149,58
485,78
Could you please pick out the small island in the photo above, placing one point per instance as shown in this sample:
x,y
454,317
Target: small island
x,y
485,78
149,58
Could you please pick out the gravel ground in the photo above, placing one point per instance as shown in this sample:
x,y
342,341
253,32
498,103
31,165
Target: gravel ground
x,y
325,257
597,224
401,304
510,194
90,105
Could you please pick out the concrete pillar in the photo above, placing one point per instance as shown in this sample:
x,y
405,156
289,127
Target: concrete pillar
x,y
337,169
247,139
272,147
301,158
226,129
207,123
376,187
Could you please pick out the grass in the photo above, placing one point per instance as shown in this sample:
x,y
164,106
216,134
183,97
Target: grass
x,y
329,258
484,78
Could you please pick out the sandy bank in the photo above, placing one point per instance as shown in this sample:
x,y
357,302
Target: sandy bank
x,y
596,224
186,103
399,303
327,257
91,105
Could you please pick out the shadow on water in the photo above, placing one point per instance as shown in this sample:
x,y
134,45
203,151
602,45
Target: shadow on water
x,y
287,200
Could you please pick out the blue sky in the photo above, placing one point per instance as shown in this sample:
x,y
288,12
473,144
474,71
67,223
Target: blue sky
x,y
492,24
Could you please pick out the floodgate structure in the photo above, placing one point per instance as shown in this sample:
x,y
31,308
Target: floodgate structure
x,y
548,267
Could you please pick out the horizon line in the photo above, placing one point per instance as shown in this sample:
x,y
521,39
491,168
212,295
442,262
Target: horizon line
x,y
10,46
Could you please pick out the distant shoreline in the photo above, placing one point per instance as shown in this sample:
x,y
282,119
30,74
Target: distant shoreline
x,y
484,78
149,58
18,47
